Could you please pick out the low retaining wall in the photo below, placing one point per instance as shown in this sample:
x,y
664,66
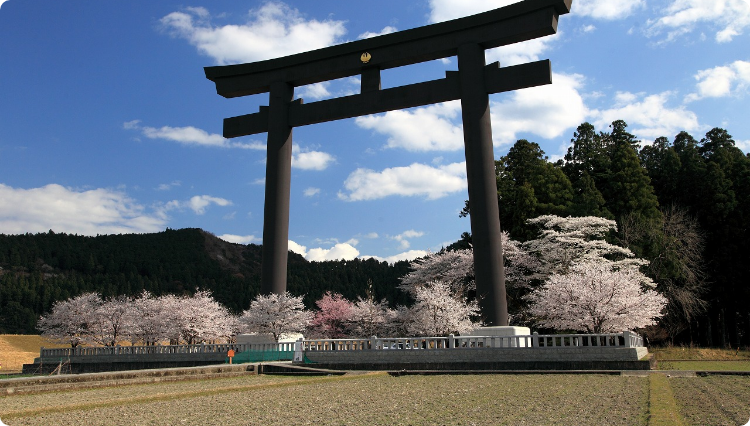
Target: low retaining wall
x,y
79,365
563,358
55,383
123,358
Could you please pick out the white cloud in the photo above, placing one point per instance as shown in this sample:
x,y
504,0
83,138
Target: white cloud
x,y
273,30
339,251
385,30
606,9
743,145
648,116
588,28
404,238
547,111
297,248
718,82
728,17
407,256
90,212
190,136
414,180
445,10
310,160
240,239
311,192
168,186
430,128
313,91
519,53
199,203
342,251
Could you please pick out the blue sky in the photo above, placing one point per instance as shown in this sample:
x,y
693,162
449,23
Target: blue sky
x,y
108,124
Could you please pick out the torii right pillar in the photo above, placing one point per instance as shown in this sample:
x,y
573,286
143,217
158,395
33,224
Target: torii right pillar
x,y
489,272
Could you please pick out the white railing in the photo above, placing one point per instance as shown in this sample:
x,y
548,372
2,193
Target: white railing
x,y
165,349
625,340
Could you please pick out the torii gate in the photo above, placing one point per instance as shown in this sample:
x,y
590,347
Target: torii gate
x,y
466,38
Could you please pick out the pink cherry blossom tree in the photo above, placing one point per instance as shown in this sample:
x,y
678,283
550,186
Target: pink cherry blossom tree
x,y
333,317
593,297
276,314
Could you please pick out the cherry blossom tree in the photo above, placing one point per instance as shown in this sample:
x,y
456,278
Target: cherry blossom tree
x,y
566,241
69,320
152,320
456,268
594,297
110,321
276,314
202,319
438,311
171,305
370,318
333,317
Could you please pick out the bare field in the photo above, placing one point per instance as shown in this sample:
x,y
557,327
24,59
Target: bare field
x,y
376,399
714,400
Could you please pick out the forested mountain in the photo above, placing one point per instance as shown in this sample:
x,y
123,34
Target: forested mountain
x,y
38,269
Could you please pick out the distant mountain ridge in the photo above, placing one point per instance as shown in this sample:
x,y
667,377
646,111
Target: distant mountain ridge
x,y
39,269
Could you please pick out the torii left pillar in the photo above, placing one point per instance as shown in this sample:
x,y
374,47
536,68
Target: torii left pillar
x,y
278,190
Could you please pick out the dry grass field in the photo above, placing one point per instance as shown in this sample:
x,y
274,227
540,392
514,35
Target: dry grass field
x,y
375,399
715,400
16,350
379,399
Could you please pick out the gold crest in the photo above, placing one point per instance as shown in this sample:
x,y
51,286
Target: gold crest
x,y
365,57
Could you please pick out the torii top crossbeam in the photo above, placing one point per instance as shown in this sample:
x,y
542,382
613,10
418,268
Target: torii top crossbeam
x,y
467,38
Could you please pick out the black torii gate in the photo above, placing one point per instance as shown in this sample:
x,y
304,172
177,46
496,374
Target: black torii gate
x,y
466,38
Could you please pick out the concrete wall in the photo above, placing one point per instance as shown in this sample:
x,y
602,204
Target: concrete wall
x,y
563,358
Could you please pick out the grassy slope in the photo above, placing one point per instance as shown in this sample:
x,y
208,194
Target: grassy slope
x,y
699,359
699,354
16,350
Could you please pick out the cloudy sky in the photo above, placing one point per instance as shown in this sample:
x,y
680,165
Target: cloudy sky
x,y
108,124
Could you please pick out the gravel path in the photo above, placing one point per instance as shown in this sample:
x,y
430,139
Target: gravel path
x,y
366,400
